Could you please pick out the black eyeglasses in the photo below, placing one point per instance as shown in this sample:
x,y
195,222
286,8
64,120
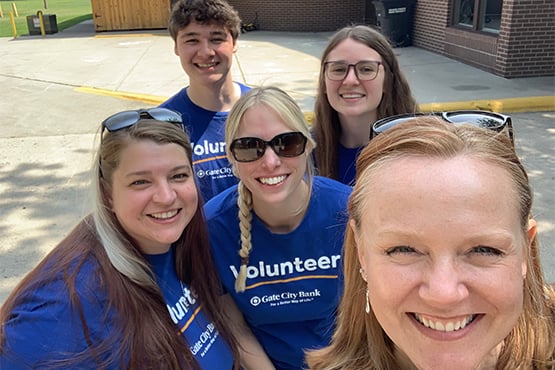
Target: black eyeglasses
x,y
250,149
365,70
489,120
128,118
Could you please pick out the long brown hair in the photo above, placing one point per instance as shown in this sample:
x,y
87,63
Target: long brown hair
x,y
397,97
142,334
359,342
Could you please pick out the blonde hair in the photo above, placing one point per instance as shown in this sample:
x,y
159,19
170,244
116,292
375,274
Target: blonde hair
x,y
290,113
531,343
141,333
119,248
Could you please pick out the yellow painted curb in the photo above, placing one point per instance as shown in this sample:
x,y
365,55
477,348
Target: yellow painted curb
x,y
108,36
525,104
145,98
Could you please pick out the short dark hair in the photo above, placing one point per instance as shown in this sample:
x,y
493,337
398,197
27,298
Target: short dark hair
x,y
204,12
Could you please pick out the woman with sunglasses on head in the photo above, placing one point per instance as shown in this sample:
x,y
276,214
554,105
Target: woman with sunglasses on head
x,y
133,286
276,236
441,260
360,82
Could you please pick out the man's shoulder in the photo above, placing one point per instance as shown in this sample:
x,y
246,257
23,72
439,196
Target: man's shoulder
x,y
244,88
178,101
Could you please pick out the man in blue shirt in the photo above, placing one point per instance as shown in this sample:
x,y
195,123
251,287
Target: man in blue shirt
x,y
205,38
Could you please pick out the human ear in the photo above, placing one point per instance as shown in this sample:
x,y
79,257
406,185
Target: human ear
x,y
532,229
356,237
106,194
531,234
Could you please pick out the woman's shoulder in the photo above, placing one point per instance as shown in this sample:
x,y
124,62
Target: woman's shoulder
x,y
221,203
57,292
329,195
332,187
47,320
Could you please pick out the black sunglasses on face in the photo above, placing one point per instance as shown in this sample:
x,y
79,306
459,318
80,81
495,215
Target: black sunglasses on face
x,y
250,149
489,120
128,118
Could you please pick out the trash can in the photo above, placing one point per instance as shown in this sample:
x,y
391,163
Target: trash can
x,y
50,24
395,19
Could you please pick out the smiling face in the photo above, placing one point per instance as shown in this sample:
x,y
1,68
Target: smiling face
x,y
351,97
271,179
205,52
442,249
153,194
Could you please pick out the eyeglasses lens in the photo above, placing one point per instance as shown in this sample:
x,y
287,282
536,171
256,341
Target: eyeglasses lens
x,y
386,123
249,149
487,120
364,70
491,122
121,120
163,114
125,119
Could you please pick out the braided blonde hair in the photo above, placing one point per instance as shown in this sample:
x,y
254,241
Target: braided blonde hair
x,y
291,114
244,201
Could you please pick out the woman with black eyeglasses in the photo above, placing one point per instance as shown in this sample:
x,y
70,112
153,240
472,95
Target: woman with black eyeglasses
x,y
276,237
360,82
441,257
133,286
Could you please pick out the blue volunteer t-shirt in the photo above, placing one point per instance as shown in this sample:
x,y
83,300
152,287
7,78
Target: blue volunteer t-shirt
x,y
293,285
207,131
46,327
205,342
346,164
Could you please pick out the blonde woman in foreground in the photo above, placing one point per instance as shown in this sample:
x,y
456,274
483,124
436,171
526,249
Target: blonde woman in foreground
x,y
442,265
277,236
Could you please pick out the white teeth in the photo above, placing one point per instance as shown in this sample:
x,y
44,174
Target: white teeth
x,y
350,96
164,215
444,326
272,180
206,65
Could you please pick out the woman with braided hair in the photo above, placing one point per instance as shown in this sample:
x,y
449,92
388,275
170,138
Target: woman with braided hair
x,y
276,237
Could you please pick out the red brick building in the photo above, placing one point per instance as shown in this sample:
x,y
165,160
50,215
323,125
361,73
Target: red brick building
x,y
510,38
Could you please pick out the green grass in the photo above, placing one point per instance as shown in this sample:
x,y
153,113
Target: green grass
x,y
68,13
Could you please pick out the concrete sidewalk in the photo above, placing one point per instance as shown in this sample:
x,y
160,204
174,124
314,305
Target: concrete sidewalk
x,y
142,66
56,90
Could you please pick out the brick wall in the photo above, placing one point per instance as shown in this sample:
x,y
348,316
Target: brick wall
x,y
302,15
526,45
430,21
475,48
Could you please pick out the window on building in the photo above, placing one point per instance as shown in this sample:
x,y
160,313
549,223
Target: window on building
x,y
479,15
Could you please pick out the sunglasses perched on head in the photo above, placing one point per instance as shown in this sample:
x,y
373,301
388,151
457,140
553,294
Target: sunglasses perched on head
x,y
249,149
484,119
128,118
